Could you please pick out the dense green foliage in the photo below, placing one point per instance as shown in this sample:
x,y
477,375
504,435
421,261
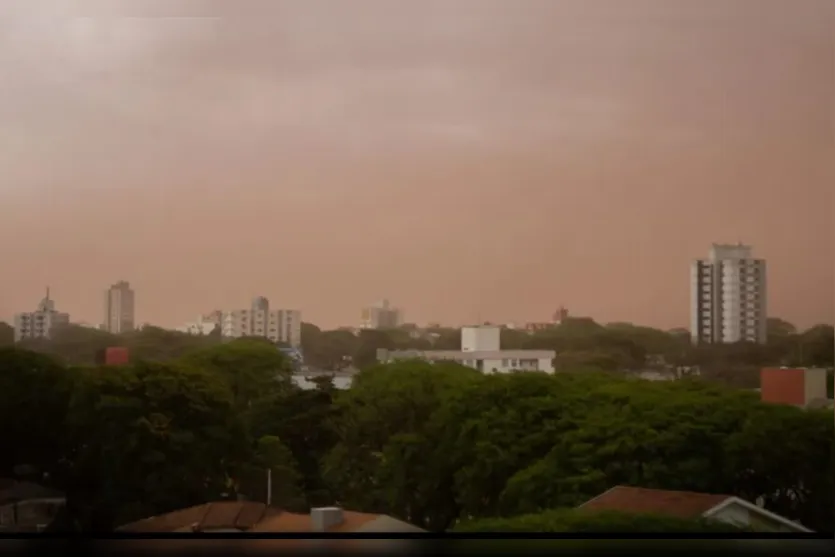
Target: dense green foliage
x,y
433,444
195,419
584,522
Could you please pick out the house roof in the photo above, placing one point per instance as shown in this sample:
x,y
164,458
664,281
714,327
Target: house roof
x,y
237,515
257,517
682,504
12,491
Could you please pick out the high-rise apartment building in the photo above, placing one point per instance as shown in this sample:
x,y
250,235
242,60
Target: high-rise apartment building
x,y
380,316
119,308
278,325
728,296
39,323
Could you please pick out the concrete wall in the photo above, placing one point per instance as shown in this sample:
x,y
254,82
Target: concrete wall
x,y
815,385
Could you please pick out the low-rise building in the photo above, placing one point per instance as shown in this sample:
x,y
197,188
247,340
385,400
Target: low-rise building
x,y
279,325
795,386
481,350
252,516
39,323
692,505
27,507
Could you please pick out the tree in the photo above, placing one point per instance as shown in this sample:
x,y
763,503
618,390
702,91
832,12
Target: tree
x,y
252,369
284,486
73,344
35,393
817,346
77,345
431,444
776,327
388,457
331,350
149,438
370,341
6,334
302,419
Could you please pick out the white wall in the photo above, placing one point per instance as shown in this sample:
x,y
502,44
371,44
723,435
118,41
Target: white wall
x,y
484,338
339,381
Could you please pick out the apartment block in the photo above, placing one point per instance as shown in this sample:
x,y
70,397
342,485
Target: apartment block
x,y
728,296
119,308
278,325
39,323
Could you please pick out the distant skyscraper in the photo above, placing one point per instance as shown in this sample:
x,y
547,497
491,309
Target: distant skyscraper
x,y
728,296
380,316
119,308
39,323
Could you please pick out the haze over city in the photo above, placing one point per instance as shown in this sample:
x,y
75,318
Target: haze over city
x,y
469,159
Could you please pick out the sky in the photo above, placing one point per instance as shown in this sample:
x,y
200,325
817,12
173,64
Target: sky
x,y
470,160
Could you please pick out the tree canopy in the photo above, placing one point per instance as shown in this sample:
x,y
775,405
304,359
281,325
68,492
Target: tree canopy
x,y
578,343
438,445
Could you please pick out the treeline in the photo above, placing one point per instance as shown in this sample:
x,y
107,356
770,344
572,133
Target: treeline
x,y
440,446
579,343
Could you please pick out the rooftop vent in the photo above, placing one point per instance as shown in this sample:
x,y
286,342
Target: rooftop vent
x,y
325,518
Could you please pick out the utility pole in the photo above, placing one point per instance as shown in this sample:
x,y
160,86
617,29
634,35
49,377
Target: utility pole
x,y
269,486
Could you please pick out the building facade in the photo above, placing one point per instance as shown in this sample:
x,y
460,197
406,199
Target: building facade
x,y
39,323
801,387
481,350
380,316
728,296
119,308
279,325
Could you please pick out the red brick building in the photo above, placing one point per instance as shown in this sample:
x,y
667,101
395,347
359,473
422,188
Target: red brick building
x,y
113,356
796,386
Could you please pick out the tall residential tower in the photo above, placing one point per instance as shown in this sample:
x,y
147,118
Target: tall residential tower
x,y
728,296
118,308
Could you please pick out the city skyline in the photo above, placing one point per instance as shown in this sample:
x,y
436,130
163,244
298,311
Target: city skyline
x,y
473,161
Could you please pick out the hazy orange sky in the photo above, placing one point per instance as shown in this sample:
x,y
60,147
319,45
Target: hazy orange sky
x,y
467,159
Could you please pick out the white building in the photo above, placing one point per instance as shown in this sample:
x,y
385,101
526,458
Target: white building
x,y
481,350
380,316
198,327
278,325
728,296
118,308
39,323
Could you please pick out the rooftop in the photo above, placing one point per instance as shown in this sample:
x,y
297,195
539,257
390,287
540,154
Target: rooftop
x,y
257,517
681,504
12,491
475,354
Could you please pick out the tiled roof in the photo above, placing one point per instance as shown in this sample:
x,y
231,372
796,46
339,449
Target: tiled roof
x,y
241,515
257,517
682,504
290,522
12,491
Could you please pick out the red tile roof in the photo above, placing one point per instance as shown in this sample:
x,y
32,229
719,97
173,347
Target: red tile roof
x,y
249,516
240,515
637,500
